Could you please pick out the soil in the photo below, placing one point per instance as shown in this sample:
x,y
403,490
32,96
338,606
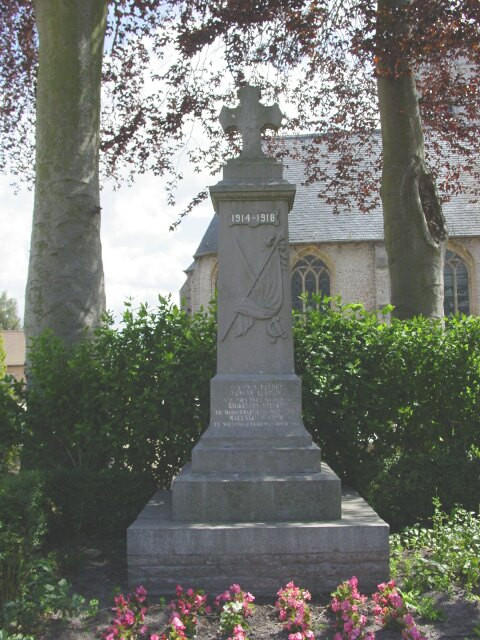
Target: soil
x,y
101,571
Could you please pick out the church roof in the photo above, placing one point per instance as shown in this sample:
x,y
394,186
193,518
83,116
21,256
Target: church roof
x,y
313,220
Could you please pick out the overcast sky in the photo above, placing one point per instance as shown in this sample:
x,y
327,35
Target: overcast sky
x,y
142,258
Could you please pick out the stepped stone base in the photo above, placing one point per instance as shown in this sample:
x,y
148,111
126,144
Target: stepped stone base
x,y
260,556
247,497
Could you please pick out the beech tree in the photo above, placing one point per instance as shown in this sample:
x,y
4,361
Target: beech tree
x,y
343,66
51,73
357,64
65,287
8,313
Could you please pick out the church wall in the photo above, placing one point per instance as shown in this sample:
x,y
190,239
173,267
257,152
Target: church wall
x,y
469,250
351,266
202,282
358,272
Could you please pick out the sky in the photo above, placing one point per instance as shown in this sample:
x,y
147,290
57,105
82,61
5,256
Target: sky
x,y
142,258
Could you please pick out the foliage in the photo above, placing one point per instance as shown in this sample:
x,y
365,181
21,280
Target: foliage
x,y
394,407
119,493
129,620
391,609
3,361
323,53
11,398
30,589
135,398
347,604
41,594
131,610
235,607
11,421
294,611
188,606
9,318
446,554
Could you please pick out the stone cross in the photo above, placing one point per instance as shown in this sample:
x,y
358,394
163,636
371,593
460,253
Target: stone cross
x,y
250,118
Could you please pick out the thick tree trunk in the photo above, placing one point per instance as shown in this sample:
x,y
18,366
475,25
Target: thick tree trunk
x,y
415,229
65,288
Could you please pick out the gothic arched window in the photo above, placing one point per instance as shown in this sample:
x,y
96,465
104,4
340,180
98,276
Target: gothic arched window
x,y
455,275
309,275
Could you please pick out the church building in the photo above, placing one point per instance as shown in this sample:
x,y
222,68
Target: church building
x,y
344,255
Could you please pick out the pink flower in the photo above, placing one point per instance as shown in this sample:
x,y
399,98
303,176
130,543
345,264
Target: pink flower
x,y
120,601
408,619
190,593
141,593
235,588
178,590
238,632
154,636
415,633
295,636
353,582
335,605
348,626
177,624
128,617
396,600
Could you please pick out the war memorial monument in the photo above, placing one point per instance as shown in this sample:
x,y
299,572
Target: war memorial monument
x,y
256,505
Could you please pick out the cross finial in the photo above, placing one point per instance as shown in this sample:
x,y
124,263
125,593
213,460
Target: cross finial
x,y
250,118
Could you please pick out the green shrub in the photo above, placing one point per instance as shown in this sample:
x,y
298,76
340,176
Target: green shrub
x,y
89,503
395,408
441,556
11,420
135,398
23,527
30,512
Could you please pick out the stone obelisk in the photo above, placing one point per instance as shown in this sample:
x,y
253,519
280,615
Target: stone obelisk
x,y
256,503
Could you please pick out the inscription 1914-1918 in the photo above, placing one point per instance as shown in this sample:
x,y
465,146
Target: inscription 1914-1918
x,y
254,219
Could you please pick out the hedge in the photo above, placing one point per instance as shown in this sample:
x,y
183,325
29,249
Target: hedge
x,y
395,407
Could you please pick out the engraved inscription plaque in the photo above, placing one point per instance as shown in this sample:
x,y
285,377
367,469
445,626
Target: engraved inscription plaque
x,y
261,404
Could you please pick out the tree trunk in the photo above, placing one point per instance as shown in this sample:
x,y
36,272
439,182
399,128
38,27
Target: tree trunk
x,y
65,287
415,229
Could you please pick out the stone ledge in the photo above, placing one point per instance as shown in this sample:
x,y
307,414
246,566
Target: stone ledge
x,y
248,497
215,458
261,556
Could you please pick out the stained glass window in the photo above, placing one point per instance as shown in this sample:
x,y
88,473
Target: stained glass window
x,y
455,276
309,275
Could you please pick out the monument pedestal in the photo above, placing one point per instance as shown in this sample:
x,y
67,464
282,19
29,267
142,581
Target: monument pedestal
x,y
260,556
256,506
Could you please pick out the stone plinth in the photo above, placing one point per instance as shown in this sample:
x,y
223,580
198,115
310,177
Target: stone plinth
x,y
260,556
250,497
